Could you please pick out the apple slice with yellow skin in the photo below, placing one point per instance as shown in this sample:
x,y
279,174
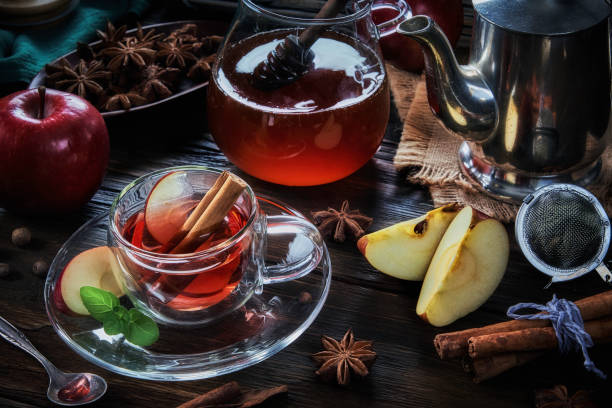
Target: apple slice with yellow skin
x,y
95,267
404,250
168,206
468,265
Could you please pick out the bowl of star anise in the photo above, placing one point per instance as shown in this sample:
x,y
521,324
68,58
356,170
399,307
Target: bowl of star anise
x,y
134,70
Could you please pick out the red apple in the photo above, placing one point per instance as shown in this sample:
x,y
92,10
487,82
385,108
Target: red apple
x,y
54,151
405,52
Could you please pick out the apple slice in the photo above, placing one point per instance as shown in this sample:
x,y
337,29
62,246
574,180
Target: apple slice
x,y
404,250
95,267
466,268
168,206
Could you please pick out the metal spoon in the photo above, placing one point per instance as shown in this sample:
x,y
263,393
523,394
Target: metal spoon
x,y
64,388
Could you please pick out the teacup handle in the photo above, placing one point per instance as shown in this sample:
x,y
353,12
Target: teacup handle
x,y
304,234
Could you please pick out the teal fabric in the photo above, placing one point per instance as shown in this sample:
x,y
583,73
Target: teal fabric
x,y
24,53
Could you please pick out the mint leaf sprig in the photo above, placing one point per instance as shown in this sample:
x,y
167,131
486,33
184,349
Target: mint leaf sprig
x,y
103,306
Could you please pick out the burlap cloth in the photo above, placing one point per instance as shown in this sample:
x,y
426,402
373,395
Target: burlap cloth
x,y
430,152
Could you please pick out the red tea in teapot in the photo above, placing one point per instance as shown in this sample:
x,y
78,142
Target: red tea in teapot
x,y
316,130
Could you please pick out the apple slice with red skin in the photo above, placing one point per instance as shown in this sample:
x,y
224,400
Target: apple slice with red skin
x,y
168,206
58,300
95,267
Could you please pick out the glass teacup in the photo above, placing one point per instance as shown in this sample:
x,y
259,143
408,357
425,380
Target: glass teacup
x,y
199,287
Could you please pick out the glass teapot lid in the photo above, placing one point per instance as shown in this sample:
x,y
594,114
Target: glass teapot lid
x,y
543,17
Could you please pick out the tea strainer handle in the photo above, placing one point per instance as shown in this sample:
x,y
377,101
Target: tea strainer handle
x,y
605,273
602,270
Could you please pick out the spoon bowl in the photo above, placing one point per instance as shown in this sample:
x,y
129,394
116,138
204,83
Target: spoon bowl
x,y
71,389
68,389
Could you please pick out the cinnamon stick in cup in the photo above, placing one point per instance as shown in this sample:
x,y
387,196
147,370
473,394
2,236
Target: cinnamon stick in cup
x,y
542,338
197,211
212,209
455,344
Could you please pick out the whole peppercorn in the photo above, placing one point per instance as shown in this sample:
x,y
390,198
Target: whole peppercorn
x,y
40,268
305,297
5,269
21,236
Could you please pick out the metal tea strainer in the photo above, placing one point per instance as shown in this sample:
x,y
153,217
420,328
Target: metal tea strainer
x,y
564,232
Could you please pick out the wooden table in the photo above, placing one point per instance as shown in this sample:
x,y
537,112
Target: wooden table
x,y
407,372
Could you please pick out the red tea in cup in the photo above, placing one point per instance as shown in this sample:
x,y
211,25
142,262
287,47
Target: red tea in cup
x,y
219,274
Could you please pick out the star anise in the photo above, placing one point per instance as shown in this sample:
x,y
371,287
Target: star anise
x,y
157,82
128,52
200,70
337,224
207,45
186,38
340,358
185,32
84,80
148,36
123,100
175,53
112,35
557,397
55,72
85,52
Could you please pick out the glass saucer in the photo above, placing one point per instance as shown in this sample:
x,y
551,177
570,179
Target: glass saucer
x,y
268,322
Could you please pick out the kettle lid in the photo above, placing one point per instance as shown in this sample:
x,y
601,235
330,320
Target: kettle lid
x,y
543,17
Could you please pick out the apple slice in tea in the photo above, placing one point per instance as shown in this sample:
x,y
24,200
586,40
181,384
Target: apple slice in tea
x,y
168,206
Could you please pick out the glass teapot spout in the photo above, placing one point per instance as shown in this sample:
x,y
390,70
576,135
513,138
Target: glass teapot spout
x,y
457,94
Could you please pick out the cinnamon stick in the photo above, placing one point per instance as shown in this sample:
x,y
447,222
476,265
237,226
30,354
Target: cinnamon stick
x,y
231,396
484,368
198,210
256,397
541,338
213,213
220,395
454,344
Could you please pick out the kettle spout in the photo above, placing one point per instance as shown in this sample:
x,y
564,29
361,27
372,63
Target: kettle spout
x,y
457,94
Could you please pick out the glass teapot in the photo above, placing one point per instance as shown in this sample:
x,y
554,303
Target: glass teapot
x,y
321,127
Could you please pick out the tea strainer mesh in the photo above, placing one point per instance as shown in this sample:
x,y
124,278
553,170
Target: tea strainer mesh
x,y
564,232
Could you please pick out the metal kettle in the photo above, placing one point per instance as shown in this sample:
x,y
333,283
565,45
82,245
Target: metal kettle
x,y
533,102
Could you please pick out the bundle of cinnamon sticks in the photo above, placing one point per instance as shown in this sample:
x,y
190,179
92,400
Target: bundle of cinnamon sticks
x,y
489,351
